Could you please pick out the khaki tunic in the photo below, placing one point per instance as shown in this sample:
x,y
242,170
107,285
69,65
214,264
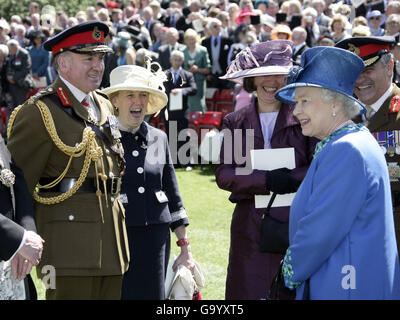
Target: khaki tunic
x,y
78,242
384,120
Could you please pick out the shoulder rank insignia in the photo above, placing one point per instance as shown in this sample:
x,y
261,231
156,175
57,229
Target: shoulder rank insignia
x,y
395,104
63,97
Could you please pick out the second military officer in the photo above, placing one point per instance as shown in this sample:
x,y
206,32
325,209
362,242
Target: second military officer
x,y
381,97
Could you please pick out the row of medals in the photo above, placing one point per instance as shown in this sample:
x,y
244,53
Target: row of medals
x,y
389,141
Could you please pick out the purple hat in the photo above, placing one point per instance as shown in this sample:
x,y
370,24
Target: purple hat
x,y
263,59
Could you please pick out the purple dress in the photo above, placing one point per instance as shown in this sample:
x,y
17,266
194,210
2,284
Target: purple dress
x,y
250,271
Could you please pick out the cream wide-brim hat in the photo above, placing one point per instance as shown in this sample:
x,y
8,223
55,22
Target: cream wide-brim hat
x,y
135,78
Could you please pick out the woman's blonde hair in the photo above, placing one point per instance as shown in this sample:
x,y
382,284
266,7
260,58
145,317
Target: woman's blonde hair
x,y
191,33
338,17
360,31
281,28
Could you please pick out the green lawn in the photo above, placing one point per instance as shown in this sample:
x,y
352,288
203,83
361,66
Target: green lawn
x,y
210,214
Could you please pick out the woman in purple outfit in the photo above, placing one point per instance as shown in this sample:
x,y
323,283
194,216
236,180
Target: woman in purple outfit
x,y
261,69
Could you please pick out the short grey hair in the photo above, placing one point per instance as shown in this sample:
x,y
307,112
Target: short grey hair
x,y
350,107
386,58
177,53
62,54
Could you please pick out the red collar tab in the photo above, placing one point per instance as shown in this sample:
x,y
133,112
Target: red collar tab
x,y
63,97
395,104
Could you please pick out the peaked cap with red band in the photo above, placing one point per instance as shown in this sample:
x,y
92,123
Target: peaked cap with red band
x,y
370,49
87,37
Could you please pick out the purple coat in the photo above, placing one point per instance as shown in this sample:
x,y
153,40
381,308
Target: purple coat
x,y
250,272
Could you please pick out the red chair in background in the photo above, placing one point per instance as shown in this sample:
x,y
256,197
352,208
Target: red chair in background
x,y
3,120
210,120
194,120
226,96
224,103
154,121
211,98
33,92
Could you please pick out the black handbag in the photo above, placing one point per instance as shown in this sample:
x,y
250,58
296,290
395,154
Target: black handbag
x,y
278,290
274,236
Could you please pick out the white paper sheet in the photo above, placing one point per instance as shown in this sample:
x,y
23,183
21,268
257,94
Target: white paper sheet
x,y
175,101
198,25
270,159
41,83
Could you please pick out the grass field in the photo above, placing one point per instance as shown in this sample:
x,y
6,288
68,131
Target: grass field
x,y
210,214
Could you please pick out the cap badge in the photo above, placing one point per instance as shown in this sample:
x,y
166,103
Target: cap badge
x,y
354,49
96,34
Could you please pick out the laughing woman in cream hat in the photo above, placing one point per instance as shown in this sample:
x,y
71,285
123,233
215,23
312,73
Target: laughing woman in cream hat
x,y
261,69
149,189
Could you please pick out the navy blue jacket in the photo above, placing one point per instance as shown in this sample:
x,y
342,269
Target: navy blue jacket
x,y
149,191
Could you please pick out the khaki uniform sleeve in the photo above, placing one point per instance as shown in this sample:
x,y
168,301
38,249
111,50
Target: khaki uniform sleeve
x,y
30,144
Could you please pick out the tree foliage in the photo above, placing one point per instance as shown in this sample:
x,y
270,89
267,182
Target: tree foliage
x,y
20,7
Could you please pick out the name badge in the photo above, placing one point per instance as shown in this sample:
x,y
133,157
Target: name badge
x,y
17,62
161,196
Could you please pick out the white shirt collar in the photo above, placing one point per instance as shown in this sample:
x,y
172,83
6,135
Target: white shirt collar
x,y
298,47
77,93
376,105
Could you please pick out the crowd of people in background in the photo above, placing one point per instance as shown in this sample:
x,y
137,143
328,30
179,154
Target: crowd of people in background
x,y
210,33
195,45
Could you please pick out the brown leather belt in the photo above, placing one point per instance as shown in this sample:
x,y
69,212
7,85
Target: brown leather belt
x,y
113,185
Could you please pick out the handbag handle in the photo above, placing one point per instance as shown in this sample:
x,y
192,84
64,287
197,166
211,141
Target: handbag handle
x,y
271,200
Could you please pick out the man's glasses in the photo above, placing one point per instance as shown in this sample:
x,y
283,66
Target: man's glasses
x,y
375,18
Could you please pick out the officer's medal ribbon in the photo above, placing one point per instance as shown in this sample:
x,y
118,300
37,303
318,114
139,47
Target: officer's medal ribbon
x,y
391,143
381,138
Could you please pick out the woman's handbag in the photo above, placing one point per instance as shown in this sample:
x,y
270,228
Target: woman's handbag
x,y
274,233
278,290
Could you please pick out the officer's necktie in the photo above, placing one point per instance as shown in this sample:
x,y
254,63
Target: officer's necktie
x,y
175,77
370,113
85,102
215,42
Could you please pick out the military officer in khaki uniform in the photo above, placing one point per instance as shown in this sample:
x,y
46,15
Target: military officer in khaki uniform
x,y
67,142
381,97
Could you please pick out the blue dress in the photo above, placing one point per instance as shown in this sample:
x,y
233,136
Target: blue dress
x,y
341,228
40,61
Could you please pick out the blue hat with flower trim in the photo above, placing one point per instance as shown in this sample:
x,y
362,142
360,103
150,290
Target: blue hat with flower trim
x,y
324,67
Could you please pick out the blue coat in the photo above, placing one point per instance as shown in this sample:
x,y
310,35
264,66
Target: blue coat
x,y
341,227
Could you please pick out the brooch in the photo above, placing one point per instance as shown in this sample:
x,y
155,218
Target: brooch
x,y
113,121
394,171
7,177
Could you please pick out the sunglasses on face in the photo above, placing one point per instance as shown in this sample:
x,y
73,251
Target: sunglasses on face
x,y
375,18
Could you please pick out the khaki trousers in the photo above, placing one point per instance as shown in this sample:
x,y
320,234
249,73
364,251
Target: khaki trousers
x,y
86,288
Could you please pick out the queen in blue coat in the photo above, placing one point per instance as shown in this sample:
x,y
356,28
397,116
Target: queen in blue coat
x,y
341,231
